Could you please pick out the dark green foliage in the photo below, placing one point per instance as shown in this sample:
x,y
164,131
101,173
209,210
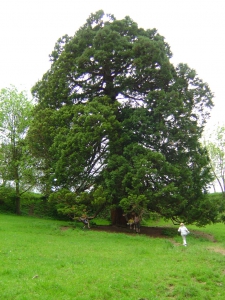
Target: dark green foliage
x,y
32,204
114,112
74,205
218,203
169,232
7,199
37,205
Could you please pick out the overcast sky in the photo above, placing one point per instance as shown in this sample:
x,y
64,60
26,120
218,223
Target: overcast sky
x,y
194,30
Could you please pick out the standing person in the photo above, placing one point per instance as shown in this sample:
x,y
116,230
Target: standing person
x,y
137,223
183,231
131,222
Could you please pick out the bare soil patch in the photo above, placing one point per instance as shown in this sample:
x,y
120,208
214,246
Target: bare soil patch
x,y
217,250
207,236
155,232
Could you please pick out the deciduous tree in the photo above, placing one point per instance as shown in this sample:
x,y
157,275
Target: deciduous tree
x,y
16,164
216,149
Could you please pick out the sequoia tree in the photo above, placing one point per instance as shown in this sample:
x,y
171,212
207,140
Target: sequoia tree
x,y
114,112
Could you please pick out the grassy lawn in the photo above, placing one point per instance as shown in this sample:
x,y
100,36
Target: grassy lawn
x,y
39,260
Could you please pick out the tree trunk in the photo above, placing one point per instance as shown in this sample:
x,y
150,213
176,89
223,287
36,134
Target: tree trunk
x,y
117,217
18,212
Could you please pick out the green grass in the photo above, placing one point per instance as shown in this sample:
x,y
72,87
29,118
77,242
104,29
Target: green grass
x,y
38,260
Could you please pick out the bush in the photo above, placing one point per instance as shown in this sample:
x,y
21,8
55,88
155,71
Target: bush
x,y
7,199
34,204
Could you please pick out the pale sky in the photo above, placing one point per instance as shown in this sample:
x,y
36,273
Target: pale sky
x,y
194,30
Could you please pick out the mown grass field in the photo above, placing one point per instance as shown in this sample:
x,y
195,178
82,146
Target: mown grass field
x,y
39,260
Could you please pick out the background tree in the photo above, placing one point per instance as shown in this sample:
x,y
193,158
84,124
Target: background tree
x,y
113,111
216,149
16,168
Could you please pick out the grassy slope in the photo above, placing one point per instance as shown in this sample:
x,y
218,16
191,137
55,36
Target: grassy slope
x,y
40,261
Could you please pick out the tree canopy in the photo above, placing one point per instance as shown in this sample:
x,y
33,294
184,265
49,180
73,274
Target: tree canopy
x,y
114,113
216,149
16,163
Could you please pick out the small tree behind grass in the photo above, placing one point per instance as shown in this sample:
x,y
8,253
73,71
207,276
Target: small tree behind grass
x,y
36,205
16,164
216,149
7,199
217,200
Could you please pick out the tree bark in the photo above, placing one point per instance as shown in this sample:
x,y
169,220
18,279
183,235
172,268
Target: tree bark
x,y
18,211
117,217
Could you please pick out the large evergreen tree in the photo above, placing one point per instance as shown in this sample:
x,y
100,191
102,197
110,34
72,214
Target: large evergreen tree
x,y
113,111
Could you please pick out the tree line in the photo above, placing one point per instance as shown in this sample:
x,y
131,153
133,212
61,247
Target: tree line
x,y
115,125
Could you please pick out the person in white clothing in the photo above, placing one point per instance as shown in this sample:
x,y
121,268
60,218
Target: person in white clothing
x,y
184,232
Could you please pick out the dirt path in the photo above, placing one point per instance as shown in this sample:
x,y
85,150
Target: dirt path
x,y
149,231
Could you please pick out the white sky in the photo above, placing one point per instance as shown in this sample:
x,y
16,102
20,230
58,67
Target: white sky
x,y
194,30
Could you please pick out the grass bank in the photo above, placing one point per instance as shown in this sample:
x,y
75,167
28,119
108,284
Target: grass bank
x,y
39,260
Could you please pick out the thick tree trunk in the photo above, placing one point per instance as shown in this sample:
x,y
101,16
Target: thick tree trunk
x,y
117,217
